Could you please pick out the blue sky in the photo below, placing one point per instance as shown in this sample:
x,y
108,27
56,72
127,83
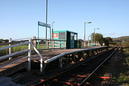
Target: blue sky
x,y
18,18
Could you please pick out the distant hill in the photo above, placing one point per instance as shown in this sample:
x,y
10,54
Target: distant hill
x,y
122,38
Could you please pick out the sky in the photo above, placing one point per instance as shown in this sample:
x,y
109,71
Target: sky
x,y
19,18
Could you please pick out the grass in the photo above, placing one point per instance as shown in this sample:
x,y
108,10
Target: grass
x,y
42,46
123,77
14,49
19,48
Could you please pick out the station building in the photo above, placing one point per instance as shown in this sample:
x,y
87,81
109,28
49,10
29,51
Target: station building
x,y
64,39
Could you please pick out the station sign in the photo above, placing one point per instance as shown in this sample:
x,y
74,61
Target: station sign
x,y
55,35
44,24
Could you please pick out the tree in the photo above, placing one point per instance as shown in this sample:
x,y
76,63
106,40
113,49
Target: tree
x,y
4,40
97,37
107,41
1,40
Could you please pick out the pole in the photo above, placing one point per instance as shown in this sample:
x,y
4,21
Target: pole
x,y
85,29
41,64
38,36
94,36
50,33
46,16
10,50
84,33
88,41
29,55
52,28
38,31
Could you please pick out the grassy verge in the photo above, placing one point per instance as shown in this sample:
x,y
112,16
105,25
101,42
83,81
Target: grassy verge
x,y
19,48
14,49
123,77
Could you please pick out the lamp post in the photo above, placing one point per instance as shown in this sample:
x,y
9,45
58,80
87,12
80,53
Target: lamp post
x,y
89,40
94,35
52,24
85,31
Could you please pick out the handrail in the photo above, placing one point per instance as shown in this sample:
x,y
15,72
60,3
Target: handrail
x,y
30,46
3,48
66,53
41,58
13,54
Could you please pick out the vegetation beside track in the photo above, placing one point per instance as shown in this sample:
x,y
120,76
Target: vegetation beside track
x,y
14,49
123,77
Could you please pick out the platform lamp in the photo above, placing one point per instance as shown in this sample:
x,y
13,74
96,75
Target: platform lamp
x,y
85,31
94,34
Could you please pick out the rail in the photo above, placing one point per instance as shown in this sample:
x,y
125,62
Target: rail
x,y
30,47
83,81
91,55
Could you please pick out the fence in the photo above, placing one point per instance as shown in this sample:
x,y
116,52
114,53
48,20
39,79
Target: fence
x,y
49,44
30,47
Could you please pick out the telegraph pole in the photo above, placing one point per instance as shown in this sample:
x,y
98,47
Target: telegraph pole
x,y
46,16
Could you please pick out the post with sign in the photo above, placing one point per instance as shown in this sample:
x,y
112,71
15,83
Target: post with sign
x,y
43,25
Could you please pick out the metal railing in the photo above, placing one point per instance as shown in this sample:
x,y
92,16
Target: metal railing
x,y
57,44
49,44
30,47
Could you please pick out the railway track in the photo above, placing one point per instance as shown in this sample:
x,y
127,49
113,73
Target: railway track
x,y
71,67
81,74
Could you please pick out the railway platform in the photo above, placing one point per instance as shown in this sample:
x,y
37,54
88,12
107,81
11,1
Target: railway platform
x,y
55,62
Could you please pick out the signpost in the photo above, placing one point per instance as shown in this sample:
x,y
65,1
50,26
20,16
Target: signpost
x,y
43,25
